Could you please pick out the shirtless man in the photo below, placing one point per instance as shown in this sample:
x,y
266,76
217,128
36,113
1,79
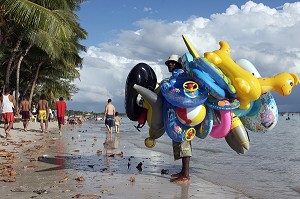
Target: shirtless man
x,y
25,108
43,108
109,114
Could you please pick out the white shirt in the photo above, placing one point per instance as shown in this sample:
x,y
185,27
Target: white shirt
x,y
7,105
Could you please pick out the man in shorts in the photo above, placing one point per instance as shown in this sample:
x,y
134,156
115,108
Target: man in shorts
x,y
181,150
25,109
109,115
7,103
43,108
61,107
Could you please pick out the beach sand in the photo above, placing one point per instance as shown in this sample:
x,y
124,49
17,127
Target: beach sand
x,y
78,165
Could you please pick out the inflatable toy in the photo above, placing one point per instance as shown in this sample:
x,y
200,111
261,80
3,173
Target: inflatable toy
x,y
177,131
248,66
266,116
282,83
208,83
206,125
210,76
191,116
143,75
222,104
221,79
247,86
221,130
154,105
262,116
190,48
238,138
183,92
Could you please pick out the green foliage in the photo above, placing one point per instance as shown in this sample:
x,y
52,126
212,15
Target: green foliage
x,y
49,30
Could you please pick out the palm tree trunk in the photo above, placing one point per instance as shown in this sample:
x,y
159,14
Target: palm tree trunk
x,y
15,50
18,73
34,81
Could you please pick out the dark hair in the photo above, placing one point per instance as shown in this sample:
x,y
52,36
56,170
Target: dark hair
x,y
6,90
116,113
61,99
25,97
109,100
43,96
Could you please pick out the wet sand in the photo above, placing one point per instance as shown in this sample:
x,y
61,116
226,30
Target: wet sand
x,y
85,164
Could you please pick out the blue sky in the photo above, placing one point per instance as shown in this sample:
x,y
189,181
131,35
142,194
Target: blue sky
x,y
124,33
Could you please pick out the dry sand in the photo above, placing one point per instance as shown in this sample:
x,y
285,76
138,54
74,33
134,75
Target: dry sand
x,y
77,165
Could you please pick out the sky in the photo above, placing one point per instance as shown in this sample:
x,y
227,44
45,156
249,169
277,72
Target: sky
x,y
122,34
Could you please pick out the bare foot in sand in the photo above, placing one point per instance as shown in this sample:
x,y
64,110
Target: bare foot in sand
x,y
7,135
180,180
176,175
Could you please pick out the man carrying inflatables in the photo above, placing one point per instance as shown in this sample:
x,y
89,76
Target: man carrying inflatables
x,y
181,150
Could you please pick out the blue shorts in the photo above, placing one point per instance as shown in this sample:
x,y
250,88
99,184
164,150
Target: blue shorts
x,y
109,120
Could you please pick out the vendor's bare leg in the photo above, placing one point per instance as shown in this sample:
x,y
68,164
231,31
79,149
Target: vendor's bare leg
x,y
184,175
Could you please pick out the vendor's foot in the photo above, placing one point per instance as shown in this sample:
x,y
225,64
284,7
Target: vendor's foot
x,y
176,175
180,180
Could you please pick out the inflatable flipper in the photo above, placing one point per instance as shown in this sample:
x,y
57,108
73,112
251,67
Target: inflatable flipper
x,y
237,138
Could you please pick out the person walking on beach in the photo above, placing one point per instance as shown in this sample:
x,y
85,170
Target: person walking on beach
x,y
61,107
8,102
181,150
43,108
25,111
117,122
109,114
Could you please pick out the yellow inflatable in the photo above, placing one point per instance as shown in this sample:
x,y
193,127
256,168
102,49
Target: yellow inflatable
x,y
282,83
247,86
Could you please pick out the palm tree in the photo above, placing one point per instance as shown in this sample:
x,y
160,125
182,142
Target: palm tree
x,y
37,31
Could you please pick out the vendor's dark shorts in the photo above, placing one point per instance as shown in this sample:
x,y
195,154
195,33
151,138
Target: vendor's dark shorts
x,y
181,150
25,115
61,120
109,120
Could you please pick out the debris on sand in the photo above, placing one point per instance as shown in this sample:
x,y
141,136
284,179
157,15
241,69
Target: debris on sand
x,y
132,179
80,179
139,166
164,171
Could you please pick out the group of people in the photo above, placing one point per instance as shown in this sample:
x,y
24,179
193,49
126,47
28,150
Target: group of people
x,y
111,117
9,108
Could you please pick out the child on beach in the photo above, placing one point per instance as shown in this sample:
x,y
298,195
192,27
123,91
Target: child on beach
x,y
117,122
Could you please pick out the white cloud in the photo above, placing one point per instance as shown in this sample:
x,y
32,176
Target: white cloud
x,y
265,36
147,9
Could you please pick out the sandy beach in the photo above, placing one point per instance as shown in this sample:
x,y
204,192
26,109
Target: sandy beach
x,y
80,164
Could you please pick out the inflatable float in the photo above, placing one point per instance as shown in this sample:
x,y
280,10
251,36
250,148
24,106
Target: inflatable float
x,y
143,75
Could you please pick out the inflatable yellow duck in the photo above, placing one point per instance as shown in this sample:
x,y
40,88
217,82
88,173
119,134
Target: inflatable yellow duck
x,y
282,83
247,86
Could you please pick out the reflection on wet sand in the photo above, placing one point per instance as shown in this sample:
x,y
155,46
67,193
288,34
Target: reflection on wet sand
x,y
111,145
184,191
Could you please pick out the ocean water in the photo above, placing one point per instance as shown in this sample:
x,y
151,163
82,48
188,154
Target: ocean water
x,y
270,169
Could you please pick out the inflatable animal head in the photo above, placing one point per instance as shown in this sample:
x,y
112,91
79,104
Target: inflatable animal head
x,y
247,86
282,83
